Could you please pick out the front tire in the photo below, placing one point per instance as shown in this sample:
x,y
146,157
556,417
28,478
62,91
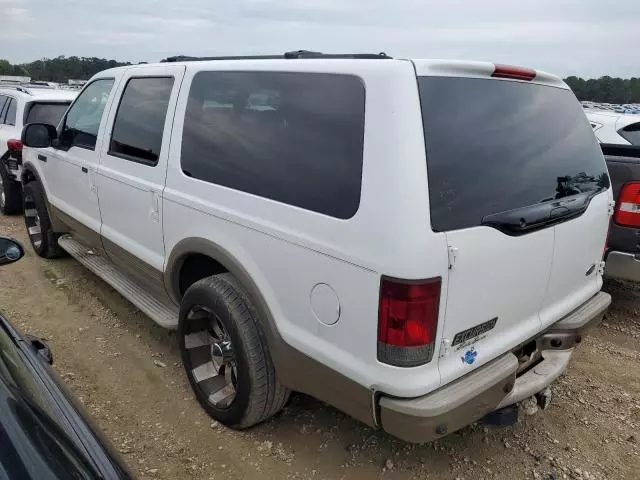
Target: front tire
x,y
36,218
225,354
10,195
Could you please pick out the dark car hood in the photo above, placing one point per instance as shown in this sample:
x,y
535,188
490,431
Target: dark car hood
x,y
31,445
44,434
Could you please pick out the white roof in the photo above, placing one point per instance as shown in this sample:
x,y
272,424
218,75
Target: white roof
x,y
48,94
618,120
426,67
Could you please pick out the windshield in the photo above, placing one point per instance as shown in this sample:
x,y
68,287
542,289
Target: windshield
x,y
494,146
50,113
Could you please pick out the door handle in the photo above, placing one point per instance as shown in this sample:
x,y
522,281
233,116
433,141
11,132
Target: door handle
x,y
85,170
42,158
155,206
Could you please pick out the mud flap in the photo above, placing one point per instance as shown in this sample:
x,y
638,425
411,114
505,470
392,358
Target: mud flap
x,y
505,417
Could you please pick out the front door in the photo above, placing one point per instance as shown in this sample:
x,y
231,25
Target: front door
x,y
70,165
133,167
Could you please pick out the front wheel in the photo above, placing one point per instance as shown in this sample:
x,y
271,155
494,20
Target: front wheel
x,y
36,218
225,354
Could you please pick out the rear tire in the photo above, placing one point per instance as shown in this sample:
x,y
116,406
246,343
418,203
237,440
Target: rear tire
x,y
36,218
10,194
225,354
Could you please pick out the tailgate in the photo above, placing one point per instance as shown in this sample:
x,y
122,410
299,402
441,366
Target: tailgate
x,y
519,186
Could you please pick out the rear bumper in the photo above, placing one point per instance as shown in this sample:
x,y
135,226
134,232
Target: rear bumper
x,y
623,265
491,386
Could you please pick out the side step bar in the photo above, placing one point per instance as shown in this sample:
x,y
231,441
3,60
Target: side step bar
x,y
160,310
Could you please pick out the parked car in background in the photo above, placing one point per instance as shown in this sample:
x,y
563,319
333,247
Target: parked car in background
x,y
619,137
615,128
303,220
43,431
623,245
20,105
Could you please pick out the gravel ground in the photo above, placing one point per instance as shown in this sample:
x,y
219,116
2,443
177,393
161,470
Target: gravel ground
x,y
127,373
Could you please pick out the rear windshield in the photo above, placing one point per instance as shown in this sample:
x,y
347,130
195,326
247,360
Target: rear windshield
x,y
631,133
50,113
496,145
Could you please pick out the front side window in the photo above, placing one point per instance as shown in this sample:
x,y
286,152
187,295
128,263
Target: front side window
x,y
139,123
296,138
83,119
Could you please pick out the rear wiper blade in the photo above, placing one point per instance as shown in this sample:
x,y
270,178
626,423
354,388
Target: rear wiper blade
x,y
541,215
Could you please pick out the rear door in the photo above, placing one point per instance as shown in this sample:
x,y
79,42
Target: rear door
x,y
133,169
514,177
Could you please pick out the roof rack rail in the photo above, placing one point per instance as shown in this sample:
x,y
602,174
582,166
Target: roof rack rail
x,y
293,55
13,86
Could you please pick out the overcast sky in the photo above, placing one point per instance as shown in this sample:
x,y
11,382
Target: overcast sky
x,y
589,38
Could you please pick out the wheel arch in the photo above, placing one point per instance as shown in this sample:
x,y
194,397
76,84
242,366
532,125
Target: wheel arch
x,y
296,370
30,174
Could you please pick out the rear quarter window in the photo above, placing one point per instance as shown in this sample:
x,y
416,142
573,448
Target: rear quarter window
x,y
46,112
631,133
499,145
296,138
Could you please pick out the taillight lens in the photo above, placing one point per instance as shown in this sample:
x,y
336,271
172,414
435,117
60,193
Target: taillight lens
x,y
628,208
516,73
14,145
408,320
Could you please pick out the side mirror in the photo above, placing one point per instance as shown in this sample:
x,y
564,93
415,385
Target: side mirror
x,y
10,250
38,135
41,348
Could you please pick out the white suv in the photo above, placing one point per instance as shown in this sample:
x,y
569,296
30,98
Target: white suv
x,y
415,242
615,128
20,105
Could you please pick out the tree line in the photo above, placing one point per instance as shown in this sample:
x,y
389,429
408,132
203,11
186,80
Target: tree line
x,y
606,89
61,69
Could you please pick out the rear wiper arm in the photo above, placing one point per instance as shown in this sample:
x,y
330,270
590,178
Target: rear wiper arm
x,y
535,217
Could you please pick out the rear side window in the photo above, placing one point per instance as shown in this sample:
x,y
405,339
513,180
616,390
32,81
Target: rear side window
x,y
50,113
296,138
631,133
3,102
139,123
10,118
497,145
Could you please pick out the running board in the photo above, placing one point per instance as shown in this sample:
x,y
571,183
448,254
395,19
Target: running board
x,y
160,310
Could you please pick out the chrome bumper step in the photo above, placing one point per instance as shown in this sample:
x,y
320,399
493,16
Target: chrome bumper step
x,y
160,310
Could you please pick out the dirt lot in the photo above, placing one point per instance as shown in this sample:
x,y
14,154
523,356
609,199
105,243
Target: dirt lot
x,y
127,373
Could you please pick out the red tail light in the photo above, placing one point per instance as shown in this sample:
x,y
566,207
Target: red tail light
x,y
408,320
516,73
14,145
628,208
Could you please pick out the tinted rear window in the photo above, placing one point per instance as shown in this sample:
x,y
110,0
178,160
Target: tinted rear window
x,y
494,146
50,113
631,133
296,138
